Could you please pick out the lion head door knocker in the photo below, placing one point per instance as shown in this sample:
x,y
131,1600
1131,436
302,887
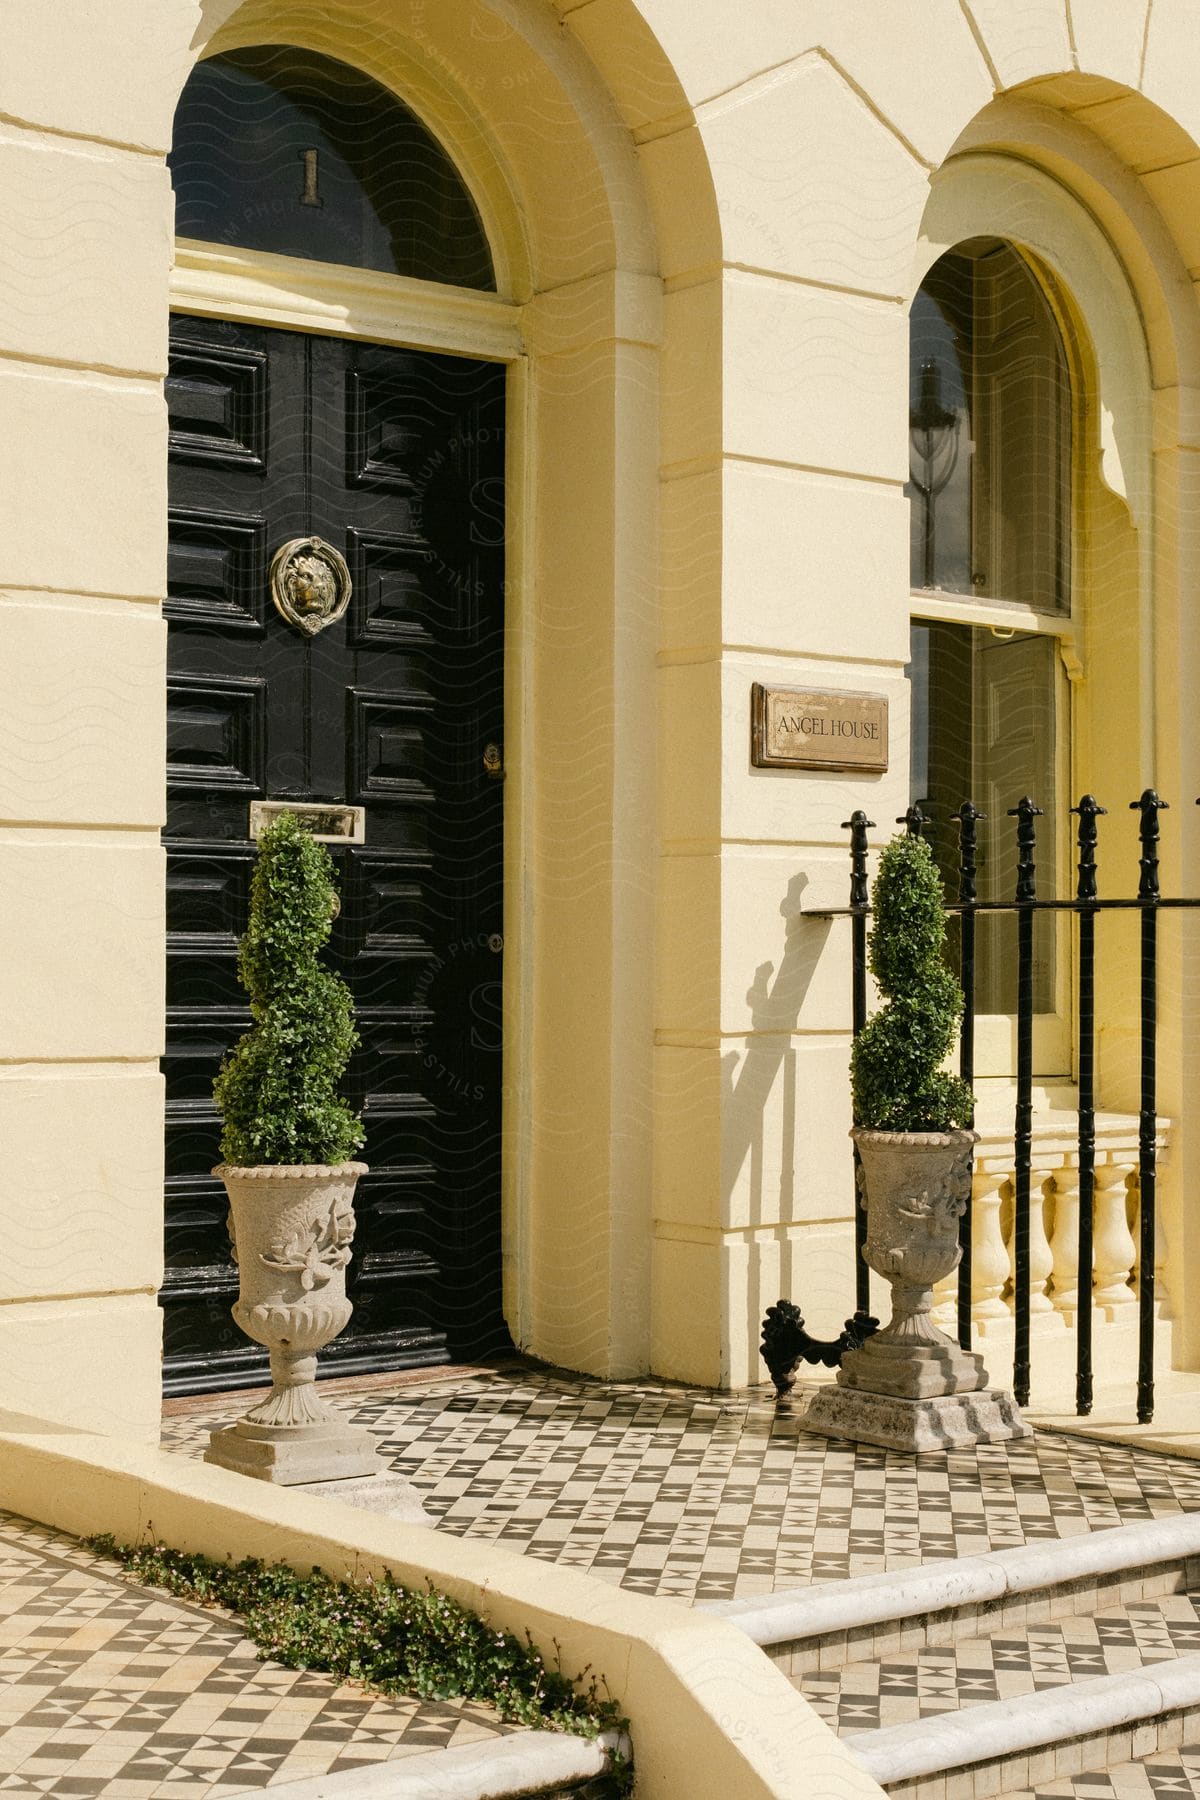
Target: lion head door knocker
x,y
310,584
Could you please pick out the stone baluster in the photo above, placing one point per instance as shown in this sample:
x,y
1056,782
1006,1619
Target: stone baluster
x,y
1115,1246
1064,1241
1133,1208
944,1311
1163,1301
1164,1268
1162,1276
989,1254
1041,1261
1041,1257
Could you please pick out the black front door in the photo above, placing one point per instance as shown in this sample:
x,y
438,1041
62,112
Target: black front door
x,y
395,458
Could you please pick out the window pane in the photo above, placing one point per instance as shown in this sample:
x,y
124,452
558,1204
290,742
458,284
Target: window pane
x,y
989,400
939,429
282,150
983,716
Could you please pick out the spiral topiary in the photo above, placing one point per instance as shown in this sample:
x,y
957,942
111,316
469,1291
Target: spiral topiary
x,y
895,1068
278,1087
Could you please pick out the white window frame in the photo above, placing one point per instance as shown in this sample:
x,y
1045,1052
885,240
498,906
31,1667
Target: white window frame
x,y
980,194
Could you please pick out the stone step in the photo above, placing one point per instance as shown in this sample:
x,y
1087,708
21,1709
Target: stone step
x,y
938,1603
1004,1664
995,1674
1143,1777
1002,1747
529,1765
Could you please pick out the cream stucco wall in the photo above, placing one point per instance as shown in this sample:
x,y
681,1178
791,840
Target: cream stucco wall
x,y
828,132
555,174
709,222
86,234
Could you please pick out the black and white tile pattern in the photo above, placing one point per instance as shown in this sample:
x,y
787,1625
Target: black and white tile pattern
x,y
111,1691
1174,1773
698,1495
895,1690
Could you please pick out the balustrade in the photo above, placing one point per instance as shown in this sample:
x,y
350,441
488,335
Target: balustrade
x,y
1053,1236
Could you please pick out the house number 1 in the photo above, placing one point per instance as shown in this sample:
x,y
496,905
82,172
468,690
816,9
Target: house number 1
x,y
311,196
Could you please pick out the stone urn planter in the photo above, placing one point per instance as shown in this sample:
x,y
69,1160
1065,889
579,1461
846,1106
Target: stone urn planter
x,y
291,1230
288,1137
910,1387
914,1186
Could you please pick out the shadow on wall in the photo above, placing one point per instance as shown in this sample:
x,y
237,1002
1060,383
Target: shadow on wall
x,y
759,1087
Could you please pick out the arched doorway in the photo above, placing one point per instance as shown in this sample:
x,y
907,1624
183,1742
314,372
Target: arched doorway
x,y
376,467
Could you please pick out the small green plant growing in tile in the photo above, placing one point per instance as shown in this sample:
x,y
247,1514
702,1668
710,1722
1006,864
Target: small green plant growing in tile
x,y
392,1639
278,1087
896,1074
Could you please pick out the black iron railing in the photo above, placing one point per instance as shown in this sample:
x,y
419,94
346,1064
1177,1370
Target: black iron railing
x,y
1086,905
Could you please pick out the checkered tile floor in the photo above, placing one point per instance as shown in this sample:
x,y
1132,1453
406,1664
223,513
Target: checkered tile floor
x,y
109,1689
683,1492
1173,1772
945,1678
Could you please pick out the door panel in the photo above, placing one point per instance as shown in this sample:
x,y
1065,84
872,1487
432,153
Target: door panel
x,y
396,458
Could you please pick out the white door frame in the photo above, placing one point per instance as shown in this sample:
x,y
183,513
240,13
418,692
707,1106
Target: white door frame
x,y
292,293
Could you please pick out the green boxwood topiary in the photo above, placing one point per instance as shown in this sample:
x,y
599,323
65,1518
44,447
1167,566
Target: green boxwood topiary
x,y
897,1079
278,1087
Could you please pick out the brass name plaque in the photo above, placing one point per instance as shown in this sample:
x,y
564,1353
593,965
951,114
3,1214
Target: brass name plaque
x,y
798,728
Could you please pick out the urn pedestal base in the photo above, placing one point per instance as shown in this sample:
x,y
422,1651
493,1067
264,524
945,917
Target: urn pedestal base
x,y
295,1455
331,1460
939,1422
913,1370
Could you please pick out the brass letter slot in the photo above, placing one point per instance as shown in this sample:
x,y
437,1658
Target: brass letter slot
x,y
328,821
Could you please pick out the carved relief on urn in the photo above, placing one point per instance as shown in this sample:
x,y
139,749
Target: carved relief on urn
x,y
915,1186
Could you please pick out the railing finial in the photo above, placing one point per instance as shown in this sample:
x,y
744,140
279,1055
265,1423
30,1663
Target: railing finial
x,y
1149,806
1087,812
968,816
858,826
1025,812
914,820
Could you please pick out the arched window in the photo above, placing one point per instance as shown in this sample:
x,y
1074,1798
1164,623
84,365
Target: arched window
x,y
990,482
283,150
990,430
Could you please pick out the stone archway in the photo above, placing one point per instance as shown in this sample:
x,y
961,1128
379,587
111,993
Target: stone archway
x,y
558,182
